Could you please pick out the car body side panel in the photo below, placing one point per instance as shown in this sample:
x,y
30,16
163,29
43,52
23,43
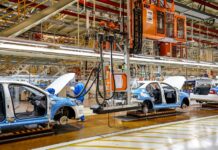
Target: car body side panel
x,y
166,106
22,122
146,96
8,102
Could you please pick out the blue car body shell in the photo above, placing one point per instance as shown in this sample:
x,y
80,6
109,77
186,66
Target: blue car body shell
x,y
54,103
142,95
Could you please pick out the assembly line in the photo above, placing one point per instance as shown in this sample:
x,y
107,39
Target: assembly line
x,y
115,74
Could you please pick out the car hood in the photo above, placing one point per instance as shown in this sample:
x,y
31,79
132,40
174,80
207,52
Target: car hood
x,y
61,82
176,81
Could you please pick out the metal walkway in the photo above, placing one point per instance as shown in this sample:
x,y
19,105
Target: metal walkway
x,y
183,135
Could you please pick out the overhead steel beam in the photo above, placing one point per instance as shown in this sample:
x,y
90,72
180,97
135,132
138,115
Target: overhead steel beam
x,y
66,12
88,4
202,41
198,11
203,28
204,33
115,4
205,3
36,19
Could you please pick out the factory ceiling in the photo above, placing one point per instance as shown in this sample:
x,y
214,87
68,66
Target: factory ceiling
x,y
70,19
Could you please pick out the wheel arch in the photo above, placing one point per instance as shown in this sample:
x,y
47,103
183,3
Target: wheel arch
x,y
71,112
149,104
186,101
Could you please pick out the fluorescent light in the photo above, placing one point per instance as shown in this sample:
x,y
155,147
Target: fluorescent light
x,y
24,43
119,54
76,49
89,53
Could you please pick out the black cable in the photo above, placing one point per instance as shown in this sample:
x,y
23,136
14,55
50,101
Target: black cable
x,y
81,92
100,36
98,70
112,71
102,67
97,91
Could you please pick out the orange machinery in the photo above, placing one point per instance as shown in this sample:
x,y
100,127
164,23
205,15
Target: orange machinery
x,y
108,26
120,81
177,50
158,21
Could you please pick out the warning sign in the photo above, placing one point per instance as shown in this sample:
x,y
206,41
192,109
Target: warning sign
x,y
149,16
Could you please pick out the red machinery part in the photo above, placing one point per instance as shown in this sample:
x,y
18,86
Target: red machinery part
x,y
212,92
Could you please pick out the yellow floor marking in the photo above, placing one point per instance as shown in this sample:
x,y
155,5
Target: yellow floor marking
x,y
204,124
189,125
201,126
150,137
113,147
175,128
162,137
191,133
96,146
188,134
163,143
179,129
122,144
142,136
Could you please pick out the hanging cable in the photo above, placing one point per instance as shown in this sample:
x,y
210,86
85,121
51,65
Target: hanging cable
x,y
111,39
81,93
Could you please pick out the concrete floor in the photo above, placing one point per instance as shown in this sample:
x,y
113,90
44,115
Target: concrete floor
x,y
184,135
196,134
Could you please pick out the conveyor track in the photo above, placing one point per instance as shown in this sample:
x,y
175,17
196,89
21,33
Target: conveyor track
x,y
25,134
210,105
137,115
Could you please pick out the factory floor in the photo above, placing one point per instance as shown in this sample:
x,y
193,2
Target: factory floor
x,y
196,128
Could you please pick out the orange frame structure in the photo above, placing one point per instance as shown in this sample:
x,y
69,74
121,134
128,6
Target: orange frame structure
x,y
150,19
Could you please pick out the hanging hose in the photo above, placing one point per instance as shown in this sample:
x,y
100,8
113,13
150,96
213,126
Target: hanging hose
x,y
81,93
100,36
112,71
98,70
98,92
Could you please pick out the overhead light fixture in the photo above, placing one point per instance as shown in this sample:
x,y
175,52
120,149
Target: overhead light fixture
x,y
118,54
76,49
89,53
24,43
